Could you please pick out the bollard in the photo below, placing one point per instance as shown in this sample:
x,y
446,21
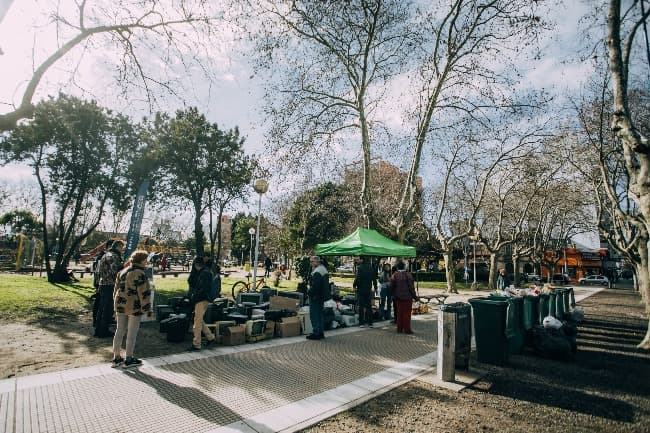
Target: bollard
x,y
446,366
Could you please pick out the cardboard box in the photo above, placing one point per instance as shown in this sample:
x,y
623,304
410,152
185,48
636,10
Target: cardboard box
x,y
283,303
234,335
289,327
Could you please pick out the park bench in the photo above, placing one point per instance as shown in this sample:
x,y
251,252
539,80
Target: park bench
x,y
438,298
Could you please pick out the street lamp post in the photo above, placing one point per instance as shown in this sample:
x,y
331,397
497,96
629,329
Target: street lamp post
x,y
251,231
242,255
260,186
474,238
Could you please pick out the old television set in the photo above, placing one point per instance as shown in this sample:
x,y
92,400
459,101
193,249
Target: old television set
x,y
255,327
253,297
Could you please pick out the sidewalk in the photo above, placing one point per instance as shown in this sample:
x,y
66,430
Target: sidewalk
x,y
275,385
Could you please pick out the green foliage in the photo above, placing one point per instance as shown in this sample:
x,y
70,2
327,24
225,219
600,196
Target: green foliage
x,y
318,215
303,268
198,163
22,221
79,153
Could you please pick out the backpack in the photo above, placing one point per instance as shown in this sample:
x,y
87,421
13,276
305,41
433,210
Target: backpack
x,y
215,288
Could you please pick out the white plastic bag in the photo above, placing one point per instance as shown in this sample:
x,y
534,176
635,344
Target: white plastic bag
x,y
551,322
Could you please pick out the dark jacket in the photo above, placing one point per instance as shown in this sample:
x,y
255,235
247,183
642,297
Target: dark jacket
x,y
365,279
402,287
319,283
200,285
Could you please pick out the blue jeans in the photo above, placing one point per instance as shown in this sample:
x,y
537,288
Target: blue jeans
x,y
385,303
316,316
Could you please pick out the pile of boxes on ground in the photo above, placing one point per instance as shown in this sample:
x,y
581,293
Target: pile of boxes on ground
x,y
255,316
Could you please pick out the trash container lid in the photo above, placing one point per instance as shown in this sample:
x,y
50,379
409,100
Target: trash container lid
x,y
455,307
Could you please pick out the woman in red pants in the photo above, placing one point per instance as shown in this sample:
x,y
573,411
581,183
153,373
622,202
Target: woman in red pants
x,y
403,290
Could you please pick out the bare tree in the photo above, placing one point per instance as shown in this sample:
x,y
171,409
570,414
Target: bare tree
x,y
469,167
599,153
179,31
334,60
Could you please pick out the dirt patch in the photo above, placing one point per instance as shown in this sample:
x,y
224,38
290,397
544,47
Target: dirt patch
x,y
606,388
65,341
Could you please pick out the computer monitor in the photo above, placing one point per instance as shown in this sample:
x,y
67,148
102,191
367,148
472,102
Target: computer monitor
x,y
249,297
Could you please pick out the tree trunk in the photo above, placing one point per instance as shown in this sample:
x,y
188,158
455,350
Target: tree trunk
x,y
198,233
450,272
492,280
59,274
516,274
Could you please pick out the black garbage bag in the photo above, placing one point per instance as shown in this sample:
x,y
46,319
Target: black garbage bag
x,y
552,343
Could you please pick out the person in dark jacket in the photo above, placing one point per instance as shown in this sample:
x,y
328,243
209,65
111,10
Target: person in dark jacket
x,y
110,264
200,282
318,285
365,282
97,296
403,289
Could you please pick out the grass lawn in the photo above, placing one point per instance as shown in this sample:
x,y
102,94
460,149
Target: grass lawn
x,y
25,297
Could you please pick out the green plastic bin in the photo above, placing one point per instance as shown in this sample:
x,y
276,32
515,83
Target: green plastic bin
x,y
552,299
560,295
463,312
516,341
544,307
531,311
493,323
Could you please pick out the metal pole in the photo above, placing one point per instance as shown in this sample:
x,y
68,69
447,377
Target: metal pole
x,y
250,252
474,262
257,238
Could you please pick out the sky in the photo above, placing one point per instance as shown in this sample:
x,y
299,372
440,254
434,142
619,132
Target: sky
x,y
234,95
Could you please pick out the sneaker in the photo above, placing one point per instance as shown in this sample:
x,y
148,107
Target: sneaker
x,y
210,342
131,362
192,349
117,361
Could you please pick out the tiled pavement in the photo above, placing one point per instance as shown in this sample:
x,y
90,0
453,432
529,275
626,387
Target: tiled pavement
x,y
274,385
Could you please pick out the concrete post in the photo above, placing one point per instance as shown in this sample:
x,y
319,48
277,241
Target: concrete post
x,y
446,346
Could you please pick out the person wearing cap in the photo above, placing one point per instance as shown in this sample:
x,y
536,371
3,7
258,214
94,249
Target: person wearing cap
x,y
318,284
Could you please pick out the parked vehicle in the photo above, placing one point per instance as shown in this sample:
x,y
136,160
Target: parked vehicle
x,y
345,268
561,279
595,280
533,277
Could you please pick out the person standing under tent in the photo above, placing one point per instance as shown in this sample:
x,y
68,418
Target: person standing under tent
x,y
318,285
385,300
364,284
403,289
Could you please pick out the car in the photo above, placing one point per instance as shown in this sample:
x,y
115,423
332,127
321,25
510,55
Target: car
x,y
561,279
595,279
533,277
345,268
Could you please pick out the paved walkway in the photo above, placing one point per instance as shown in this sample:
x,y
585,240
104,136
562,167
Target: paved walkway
x,y
275,385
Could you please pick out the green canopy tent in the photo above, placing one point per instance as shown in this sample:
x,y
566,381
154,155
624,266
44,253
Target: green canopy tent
x,y
365,242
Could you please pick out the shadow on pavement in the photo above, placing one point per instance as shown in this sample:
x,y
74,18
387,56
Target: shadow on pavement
x,y
188,398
